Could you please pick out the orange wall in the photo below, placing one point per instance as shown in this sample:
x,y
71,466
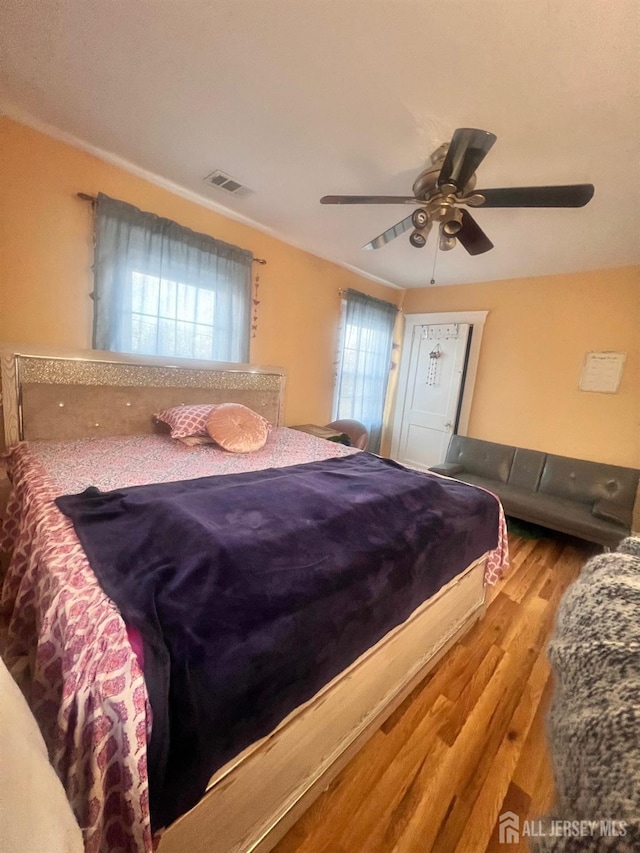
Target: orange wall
x,y
535,339
537,332
46,255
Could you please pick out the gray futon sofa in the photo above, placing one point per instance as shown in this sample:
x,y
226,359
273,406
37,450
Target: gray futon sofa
x,y
590,500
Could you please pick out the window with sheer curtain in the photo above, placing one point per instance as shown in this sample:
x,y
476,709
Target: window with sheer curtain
x,y
364,362
162,289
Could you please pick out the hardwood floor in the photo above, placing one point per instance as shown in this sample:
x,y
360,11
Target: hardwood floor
x,y
469,743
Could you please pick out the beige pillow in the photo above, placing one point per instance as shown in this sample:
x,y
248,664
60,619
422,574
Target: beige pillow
x,y
237,428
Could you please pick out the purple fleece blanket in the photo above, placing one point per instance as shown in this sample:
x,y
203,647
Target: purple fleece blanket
x,y
251,591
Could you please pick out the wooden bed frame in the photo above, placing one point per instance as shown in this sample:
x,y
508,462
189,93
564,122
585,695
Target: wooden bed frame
x,y
251,802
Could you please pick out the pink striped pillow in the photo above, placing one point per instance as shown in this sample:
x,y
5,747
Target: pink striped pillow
x,y
187,421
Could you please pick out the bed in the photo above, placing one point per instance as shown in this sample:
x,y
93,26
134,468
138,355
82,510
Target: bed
x,y
73,420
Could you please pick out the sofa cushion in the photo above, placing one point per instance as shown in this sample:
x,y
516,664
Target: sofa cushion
x,y
612,511
517,502
588,482
526,469
578,520
556,513
566,516
482,458
483,482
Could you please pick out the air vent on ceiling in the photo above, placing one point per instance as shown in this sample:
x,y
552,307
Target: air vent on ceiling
x,y
225,182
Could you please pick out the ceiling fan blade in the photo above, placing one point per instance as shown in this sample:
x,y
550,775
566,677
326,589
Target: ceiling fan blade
x,y
574,195
390,234
369,199
472,236
467,149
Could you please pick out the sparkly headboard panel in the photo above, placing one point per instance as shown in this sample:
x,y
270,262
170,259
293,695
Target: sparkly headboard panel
x,y
96,393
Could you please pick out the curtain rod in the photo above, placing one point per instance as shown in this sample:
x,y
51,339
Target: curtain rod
x,y
343,290
93,200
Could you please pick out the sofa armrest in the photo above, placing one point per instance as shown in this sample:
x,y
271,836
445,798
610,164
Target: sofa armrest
x,y
449,469
612,511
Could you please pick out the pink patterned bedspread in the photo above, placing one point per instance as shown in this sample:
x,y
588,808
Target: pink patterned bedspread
x,y
67,644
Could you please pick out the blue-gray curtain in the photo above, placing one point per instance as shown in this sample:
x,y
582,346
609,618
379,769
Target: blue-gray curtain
x,y
162,289
365,361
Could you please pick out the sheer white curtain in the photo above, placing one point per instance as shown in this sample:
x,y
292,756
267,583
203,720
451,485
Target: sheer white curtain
x,y
162,289
365,361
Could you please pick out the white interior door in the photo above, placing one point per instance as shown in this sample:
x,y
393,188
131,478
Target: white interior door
x,y
428,401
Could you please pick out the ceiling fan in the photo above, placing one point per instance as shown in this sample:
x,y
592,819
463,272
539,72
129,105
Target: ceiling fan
x,y
449,181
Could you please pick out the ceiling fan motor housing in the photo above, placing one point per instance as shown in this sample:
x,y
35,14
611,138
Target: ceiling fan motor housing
x,y
426,183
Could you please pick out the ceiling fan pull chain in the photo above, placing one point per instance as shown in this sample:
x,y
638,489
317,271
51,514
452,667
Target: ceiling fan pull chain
x,y
435,258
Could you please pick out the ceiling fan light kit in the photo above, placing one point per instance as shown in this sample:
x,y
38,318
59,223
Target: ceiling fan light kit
x,y
446,243
452,223
446,187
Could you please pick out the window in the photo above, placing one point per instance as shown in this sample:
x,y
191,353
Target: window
x,y
173,318
161,289
364,362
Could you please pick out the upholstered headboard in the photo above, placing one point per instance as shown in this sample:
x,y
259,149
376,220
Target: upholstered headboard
x,y
62,394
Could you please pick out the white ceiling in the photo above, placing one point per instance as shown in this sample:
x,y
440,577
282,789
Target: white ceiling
x,y
301,98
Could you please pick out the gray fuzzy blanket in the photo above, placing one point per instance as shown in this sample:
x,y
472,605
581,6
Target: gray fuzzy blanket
x,y
594,720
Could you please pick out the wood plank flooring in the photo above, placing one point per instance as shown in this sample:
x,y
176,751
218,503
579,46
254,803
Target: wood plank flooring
x,y
469,743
